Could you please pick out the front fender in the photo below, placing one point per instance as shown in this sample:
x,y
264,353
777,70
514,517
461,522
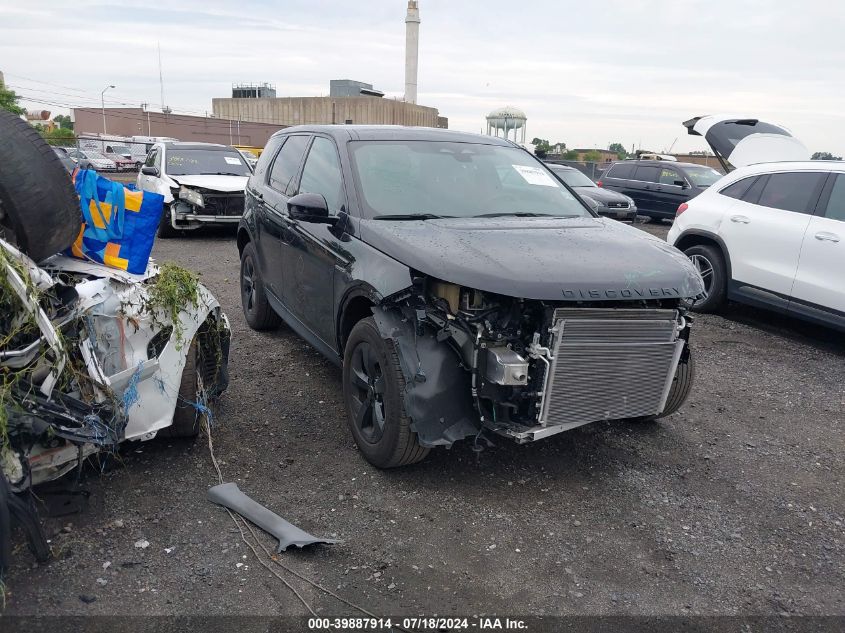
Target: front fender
x,y
437,394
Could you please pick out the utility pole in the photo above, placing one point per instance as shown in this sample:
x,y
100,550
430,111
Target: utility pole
x,y
103,106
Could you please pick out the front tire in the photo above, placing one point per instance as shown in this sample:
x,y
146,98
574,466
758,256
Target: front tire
x,y
257,310
165,228
186,417
710,263
373,392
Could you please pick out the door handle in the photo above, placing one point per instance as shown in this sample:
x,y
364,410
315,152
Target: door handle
x,y
824,236
740,219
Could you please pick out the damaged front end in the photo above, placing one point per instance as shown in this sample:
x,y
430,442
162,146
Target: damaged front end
x,y
193,207
91,356
528,368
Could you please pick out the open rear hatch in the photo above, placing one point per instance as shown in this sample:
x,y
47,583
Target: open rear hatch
x,y
738,141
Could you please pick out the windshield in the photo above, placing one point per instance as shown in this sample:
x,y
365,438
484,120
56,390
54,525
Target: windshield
x,y
93,155
447,179
573,177
194,162
120,149
702,176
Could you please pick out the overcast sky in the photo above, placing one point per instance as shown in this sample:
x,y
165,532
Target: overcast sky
x,y
586,73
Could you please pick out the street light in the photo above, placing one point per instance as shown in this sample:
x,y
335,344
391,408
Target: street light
x,y
103,106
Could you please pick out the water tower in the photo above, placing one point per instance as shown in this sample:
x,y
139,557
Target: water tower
x,y
507,119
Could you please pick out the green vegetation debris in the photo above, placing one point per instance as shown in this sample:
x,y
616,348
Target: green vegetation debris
x,y
173,290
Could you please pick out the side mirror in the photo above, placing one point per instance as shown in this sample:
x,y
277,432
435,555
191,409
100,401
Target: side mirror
x,y
310,207
149,170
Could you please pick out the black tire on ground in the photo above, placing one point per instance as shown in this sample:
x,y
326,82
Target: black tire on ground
x,y
257,310
716,280
373,388
165,228
678,392
681,387
39,209
186,417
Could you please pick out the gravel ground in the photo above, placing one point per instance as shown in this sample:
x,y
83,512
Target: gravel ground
x,y
733,505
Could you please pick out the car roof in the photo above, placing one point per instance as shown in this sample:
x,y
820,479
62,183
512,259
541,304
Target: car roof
x,y
395,133
802,165
659,163
185,145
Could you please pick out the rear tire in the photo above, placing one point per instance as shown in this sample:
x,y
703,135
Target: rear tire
x,y
39,209
257,310
373,392
709,261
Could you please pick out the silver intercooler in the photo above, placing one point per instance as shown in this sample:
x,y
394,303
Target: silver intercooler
x,y
606,364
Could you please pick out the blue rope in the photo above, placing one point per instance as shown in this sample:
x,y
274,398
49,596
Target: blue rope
x,y
130,395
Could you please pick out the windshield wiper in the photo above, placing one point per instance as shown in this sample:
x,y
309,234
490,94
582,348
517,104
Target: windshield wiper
x,y
524,214
220,173
412,216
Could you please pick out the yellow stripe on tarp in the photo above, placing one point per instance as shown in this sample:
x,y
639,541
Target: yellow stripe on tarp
x,y
111,257
133,200
105,208
76,247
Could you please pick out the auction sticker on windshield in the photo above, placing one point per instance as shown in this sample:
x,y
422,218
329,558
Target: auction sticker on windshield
x,y
535,176
232,160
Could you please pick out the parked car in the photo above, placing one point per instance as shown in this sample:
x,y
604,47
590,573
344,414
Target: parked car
x,y
768,234
602,201
87,159
462,287
64,159
122,157
250,158
202,184
658,186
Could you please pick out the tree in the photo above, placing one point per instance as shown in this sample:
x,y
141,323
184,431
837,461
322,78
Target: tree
x,y
63,121
592,156
621,152
9,101
541,146
824,156
58,136
570,155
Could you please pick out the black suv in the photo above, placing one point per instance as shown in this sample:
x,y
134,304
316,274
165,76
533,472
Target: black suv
x,y
658,187
462,287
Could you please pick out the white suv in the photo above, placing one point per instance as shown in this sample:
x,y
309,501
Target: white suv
x,y
768,234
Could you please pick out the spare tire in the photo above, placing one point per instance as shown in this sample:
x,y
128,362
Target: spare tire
x,y
39,209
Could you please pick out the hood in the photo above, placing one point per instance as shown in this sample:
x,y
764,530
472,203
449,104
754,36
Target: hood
x,y
739,141
553,259
598,194
225,184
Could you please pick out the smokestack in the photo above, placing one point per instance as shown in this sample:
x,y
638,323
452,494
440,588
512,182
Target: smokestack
x,y
412,45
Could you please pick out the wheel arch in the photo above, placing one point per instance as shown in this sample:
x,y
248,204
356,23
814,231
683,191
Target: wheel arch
x,y
700,238
244,238
357,304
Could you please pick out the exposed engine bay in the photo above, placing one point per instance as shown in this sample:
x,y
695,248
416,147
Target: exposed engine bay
x,y
528,368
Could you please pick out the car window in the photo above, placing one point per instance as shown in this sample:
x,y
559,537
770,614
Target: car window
x,y
738,188
790,191
836,204
754,191
671,177
287,162
702,176
446,178
322,175
647,174
573,177
620,170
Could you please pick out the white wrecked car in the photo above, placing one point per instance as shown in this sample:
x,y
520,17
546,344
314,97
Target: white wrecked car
x,y
202,184
90,356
